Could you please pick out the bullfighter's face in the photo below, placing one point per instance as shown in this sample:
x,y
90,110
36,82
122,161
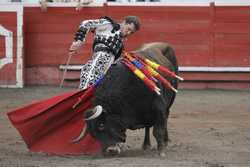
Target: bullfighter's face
x,y
127,29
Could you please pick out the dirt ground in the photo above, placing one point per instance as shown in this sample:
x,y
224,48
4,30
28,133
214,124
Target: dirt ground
x,y
208,128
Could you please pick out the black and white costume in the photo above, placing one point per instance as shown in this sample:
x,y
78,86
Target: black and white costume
x,y
107,48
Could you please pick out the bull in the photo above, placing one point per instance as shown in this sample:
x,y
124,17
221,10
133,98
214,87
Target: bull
x,y
124,102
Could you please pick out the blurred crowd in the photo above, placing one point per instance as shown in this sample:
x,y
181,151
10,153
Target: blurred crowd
x,y
44,3
79,3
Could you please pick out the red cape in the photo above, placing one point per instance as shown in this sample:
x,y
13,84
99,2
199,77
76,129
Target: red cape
x,y
50,125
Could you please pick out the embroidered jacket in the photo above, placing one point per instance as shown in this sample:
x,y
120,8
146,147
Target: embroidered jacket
x,y
107,35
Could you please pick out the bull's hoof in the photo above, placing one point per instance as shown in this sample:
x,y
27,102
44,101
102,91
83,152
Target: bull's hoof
x,y
146,147
113,150
123,146
162,154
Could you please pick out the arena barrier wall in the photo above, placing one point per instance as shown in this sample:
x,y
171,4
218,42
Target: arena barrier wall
x,y
11,46
211,40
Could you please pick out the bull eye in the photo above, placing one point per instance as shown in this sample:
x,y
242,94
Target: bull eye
x,y
101,127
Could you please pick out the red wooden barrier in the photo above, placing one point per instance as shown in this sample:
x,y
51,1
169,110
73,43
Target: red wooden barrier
x,y
11,60
207,36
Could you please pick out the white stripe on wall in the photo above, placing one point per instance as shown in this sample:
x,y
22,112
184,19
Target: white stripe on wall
x,y
214,69
100,3
182,68
8,57
19,64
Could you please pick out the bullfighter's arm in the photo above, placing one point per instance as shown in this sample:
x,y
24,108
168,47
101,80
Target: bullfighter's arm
x,y
84,28
88,25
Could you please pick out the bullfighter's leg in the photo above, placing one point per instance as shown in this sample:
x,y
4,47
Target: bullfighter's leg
x,y
147,144
95,69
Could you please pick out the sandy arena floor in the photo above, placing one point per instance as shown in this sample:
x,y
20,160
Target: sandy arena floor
x,y
207,128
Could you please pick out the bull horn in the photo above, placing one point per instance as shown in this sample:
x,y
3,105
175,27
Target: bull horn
x,y
82,135
93,113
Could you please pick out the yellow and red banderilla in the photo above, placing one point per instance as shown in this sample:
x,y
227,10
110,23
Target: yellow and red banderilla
x,y
147,68
139,65
162,79
149,83
160,68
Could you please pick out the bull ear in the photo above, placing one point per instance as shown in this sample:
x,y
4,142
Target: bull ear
x,y
93,113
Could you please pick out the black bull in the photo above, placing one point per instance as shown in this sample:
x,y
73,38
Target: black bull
x,y
128,104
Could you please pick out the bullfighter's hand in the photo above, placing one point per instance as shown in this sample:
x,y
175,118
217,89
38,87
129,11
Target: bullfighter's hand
x,y
75,46
44,5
